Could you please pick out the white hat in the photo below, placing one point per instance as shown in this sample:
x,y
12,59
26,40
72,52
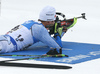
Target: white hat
x,y
48,13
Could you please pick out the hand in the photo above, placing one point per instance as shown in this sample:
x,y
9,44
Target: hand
x,y
52,52
64,29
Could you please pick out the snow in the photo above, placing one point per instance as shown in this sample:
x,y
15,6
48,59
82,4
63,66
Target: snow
x,y
14,12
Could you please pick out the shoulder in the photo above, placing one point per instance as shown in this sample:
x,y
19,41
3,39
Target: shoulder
x,y
40,28
30,22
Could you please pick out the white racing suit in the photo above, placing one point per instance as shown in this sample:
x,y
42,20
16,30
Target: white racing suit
x,y
25,35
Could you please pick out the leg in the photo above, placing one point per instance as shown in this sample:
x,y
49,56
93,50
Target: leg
x,y
5,45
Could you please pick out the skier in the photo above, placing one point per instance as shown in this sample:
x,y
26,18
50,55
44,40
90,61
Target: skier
x,y
30,32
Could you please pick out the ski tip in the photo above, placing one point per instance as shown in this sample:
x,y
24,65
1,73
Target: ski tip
x,y
68,67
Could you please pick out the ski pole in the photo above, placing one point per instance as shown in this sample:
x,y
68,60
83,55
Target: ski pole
x,y
42,56
20,55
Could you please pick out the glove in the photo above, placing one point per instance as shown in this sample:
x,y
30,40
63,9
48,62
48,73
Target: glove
x,y
57,28
54,52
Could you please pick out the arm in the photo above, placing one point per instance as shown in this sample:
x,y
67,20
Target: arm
x,y
41,34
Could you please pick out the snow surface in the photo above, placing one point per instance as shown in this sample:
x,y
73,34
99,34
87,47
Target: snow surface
x,y
14,12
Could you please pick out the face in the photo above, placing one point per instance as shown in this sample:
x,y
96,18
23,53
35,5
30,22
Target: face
x,y
50,23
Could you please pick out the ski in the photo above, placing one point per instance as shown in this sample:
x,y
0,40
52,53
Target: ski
x,y
20,55
27,65
40,56
14,55
9,63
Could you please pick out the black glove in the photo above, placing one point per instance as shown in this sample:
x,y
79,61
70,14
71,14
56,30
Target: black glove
x,y
52,52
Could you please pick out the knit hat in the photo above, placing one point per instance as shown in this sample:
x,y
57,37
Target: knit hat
x,y
48,13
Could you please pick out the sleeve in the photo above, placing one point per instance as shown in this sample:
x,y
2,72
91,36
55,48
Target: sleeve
x,y
41,34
